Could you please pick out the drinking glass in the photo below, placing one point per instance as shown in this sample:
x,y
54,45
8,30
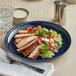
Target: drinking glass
x,y
6,18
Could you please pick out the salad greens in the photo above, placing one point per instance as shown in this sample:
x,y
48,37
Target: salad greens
x,y
43,32
48,54
44,48
45,52
51,41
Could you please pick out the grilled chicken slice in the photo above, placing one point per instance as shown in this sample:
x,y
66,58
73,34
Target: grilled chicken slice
x,y
27,46
35,53
17,40
25,41
23,35
28,51
22,31
36,56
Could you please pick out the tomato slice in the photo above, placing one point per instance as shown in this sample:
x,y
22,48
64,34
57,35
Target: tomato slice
x,y
49,43
51,48
30,29
39,42
39,28
47,36
53,37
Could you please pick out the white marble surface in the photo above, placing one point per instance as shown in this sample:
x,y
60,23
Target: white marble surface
x,y
43,10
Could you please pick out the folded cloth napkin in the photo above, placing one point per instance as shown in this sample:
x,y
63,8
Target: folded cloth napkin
x,y
17,69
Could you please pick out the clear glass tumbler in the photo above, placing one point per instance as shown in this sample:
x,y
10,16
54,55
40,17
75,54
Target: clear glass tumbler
x,y
6,18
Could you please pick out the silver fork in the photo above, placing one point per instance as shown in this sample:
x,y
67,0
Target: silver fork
x,y
39,70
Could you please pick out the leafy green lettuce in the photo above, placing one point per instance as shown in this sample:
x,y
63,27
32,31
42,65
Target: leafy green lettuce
x,y
48,54
44,32
45,52
58,40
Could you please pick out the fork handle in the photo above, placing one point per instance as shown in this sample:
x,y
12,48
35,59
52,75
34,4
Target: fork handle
x,y
11,61
34,68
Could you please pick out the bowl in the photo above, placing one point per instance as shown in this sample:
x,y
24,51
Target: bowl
x,y
20,15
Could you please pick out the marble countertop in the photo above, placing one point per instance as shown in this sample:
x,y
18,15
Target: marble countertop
x,y
44,10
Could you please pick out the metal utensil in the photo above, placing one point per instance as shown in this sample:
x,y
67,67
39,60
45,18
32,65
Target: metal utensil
x,y
39,70
10,58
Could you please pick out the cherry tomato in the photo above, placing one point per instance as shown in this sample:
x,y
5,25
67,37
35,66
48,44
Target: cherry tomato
x,y
39,42
39,28
49,43
30,28
53,37
47,36
51,48
52,31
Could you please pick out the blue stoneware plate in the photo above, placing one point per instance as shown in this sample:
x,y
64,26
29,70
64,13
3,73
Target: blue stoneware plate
x,y
9,39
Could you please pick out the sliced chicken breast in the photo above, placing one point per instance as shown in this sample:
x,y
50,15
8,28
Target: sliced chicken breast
x,y
22,31
27,46
28,51
17,40
25,41
35,53
23,35
36,56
